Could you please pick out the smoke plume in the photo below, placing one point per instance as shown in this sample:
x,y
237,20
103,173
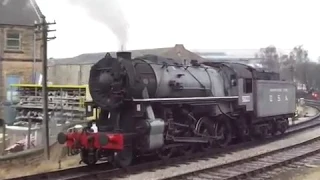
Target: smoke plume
x,y
4,2
109,13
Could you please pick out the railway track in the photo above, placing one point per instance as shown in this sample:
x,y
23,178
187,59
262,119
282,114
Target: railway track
x,y
257,164
105,170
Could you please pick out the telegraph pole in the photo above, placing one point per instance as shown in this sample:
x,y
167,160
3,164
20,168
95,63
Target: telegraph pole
x,y
44,32
34,56
2,89
292,72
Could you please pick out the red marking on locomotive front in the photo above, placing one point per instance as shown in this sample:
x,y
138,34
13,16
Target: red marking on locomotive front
x,y
115,141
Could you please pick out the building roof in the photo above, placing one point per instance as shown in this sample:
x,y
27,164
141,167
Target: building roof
x,y
19,12
178,52
233,53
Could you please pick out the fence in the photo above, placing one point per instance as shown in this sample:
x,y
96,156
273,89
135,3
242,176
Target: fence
x,y
24,129
36,154
20,138
75,74
16,138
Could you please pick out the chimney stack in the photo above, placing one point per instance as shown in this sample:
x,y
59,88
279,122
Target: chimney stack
x,y
124,55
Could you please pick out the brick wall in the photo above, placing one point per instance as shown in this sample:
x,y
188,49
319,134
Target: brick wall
x,y
26,52
23,69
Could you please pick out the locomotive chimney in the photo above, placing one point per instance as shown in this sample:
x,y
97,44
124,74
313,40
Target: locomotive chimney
x,y
124,55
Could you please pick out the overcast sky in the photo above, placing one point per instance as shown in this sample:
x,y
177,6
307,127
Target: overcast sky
x,y
198,24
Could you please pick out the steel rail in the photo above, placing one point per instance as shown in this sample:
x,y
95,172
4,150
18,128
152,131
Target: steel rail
x,y
256,164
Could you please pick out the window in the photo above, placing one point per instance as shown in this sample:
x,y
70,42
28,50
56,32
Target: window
x,y
247,85
13,41
12,94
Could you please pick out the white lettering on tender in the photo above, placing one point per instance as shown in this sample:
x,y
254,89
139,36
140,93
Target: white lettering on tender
x,y
275,90
279,97
246,99
138,107
278,90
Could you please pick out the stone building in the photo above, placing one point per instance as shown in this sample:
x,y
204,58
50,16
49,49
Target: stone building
x,y
19,55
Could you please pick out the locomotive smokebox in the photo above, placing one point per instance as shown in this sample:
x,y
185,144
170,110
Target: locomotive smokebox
x,y
124,55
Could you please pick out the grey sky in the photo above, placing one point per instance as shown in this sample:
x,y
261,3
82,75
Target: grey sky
x,y
198,24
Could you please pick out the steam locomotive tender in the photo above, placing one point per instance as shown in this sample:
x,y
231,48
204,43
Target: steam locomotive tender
x,y
152,105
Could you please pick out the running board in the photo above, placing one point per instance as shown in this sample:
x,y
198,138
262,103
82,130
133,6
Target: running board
x,y
187,99
189,139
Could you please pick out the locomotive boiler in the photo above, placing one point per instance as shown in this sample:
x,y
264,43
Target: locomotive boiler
x,y
154,105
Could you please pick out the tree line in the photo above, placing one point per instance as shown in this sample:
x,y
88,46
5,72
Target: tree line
x,y
296,65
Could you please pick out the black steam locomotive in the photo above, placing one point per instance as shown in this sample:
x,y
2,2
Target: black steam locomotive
x,y
153,105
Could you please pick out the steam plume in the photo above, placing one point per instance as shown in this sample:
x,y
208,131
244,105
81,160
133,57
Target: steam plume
x,y
5,2
109,13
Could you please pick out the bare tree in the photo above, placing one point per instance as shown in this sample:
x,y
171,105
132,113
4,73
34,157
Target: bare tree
x,y
300,54
301,61
293,66
286,64
270,58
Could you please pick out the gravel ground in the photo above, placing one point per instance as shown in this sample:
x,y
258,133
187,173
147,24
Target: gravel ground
x,y
313,174
305,169
41,166
201,164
